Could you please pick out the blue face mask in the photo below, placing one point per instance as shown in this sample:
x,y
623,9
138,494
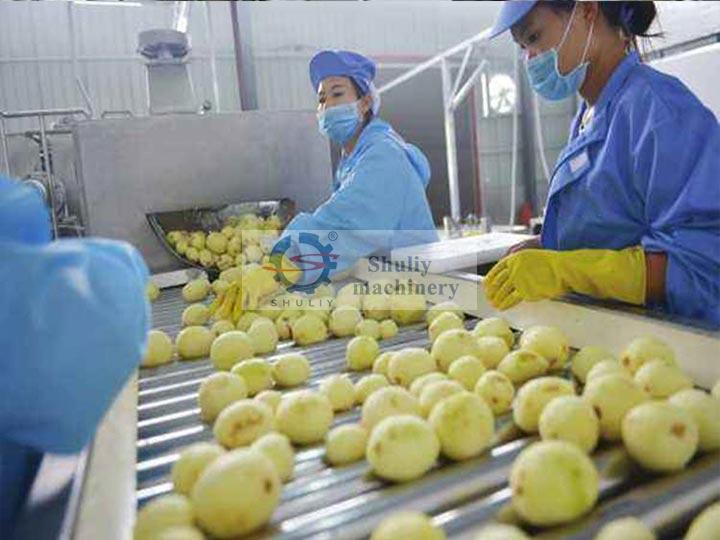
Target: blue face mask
x,y
544,74
339,123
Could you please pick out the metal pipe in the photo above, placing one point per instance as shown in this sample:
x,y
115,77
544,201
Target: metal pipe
x,y
213,59
48,171
238,50
44,112
5,150
450,142
461,71
539,137
513,166
458,99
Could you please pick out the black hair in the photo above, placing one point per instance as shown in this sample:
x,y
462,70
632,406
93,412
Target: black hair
x,y
633,18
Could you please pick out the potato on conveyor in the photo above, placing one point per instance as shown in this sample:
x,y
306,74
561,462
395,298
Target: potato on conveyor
x,y
194,342
217,243
418,384
442,322
159,349
376,306
345,444
277,448
549,342
368,327
308,329
467,370
532,398
496,327
161,513
705,410
410,525
451,345
660,436
223,510
443,307
628,528
256,373
660,380
407,308
222,326
388,329
361,352
389,401
501,531
607,367
612,397
304,416
643,350
497,391
195,315
570,419
491,350
217,391
343,321
520,366
706,525
152,291
263,335
291,369
583,360
367,385
408,364
402,448
340,391
230,348
381,363
196,290
553,482
184,532
464,425
242,422
271,398
192,462
435,392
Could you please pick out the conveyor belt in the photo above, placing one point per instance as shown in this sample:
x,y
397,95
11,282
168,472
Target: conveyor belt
x,y
347,502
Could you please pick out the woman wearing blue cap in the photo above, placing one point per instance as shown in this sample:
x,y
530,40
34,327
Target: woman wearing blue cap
x,y
378,196
633,211
73,321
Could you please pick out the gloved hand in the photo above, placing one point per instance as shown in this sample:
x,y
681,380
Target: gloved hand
x,y
537,274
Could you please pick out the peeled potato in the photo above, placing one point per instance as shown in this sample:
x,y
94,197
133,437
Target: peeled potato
x,y
339,390
549,342
308,329
217,391
161,513
220,285
464,425
607,367
407,308
408,364
304,417
497,327
245,321
496,390
402,448
660,380
410,525
345,444
195,315
385,402
367,385
553,482
230,348
194,342
434,393
225,511
628,528
361,352
706,525
660,436
612,397
222,326
451,345
418,384
263,335
643,350
444,321
376,306
159,349
196,290
291,369
277,448
532,398
368,327
570,419
343,321
443,307
491,350
350,295
705,410
521,366
192,462
283,329
152,291
381,363
388,329
586,358
466,370
217,243
256,373
500,531
271,398
182,532
242,422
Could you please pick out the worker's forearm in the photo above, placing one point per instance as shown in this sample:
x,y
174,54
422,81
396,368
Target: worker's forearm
x,y
656,267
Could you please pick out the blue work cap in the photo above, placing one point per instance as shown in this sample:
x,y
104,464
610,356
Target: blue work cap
x,y
332,63
511,13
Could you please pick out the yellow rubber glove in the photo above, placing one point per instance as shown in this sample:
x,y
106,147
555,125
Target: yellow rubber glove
x,y
539,274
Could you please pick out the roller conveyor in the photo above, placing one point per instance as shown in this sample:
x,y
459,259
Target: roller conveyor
x,y
347,502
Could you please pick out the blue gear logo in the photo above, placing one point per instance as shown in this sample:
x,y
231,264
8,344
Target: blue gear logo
x,y
314,267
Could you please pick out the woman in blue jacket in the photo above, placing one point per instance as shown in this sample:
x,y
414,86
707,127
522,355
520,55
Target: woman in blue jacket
x,y
633,211
73,321
378,201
